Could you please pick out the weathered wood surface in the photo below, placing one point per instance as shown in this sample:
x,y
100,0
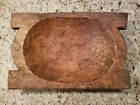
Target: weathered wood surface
x,y
69,50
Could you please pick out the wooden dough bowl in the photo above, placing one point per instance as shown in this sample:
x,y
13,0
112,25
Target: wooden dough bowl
x,y
69,51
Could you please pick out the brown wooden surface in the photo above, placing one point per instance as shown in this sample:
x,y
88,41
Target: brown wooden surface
x,y
69,50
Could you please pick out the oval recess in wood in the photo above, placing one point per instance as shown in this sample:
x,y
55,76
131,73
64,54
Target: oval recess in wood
x,y
69,50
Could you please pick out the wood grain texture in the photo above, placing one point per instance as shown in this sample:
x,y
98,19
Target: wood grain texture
x,y
69,50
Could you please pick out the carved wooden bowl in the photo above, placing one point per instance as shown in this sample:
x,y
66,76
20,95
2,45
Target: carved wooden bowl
x,y
67,50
